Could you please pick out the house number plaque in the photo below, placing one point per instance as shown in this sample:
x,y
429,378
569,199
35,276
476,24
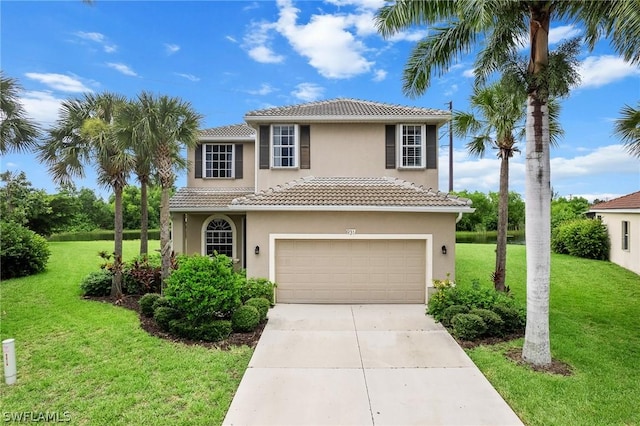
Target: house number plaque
x,y
351,231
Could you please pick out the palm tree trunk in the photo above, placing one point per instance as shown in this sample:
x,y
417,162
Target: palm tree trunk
x,y
537,348
503,223
116,288
144,217
165,172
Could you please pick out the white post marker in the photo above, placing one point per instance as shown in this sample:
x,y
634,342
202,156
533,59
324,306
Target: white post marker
x,y
9,356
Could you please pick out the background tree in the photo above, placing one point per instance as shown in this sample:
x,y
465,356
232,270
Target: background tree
x,y
627,128
20,202
167,125
496,27
132,206
17,131
83,135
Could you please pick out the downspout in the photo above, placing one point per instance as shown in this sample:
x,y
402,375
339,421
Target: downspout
x,y
459,218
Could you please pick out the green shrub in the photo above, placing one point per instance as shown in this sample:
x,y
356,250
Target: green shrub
x,y
147,303
203,288
142,275
468,326
162,301
513,319
245,318
163,316
452,311
586,238
22,251
100,235
495,325
261,304
209,332
257,287
97,283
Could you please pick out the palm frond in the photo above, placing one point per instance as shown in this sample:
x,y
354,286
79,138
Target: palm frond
x,y
627,128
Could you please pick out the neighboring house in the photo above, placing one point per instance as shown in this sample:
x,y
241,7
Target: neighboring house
x,y
622,218
336,201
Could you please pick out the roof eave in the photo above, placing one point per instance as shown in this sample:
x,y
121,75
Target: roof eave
x,y
226,138
431,119
406,209
624,210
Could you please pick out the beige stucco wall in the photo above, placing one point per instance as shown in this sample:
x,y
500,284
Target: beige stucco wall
x,y
261,224
248,169
347,150
629,259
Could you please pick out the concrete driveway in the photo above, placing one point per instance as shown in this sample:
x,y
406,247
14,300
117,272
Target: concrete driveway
x,y
362,365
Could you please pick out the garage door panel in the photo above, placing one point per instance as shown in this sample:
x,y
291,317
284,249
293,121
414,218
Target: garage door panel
x,y
351,271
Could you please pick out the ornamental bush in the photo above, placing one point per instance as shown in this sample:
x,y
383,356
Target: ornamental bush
x,y
245,318
495,325
163,316
147,303
257,287
97,283
586,238
22,251
452,311
204,288
142,275
512,318
261,304
212,331
468,326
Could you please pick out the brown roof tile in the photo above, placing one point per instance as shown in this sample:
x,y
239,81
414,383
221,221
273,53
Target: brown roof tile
x,y
630,201
194,199
343,108
328,192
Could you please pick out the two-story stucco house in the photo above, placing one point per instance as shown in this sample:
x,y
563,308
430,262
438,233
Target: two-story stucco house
x,y
622,218
336,201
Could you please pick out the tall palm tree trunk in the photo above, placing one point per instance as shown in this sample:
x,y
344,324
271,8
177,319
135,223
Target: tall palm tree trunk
x,y
499,276
116,288
165,172
144,217
536,349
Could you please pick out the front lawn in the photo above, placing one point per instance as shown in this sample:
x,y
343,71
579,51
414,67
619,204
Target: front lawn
x,y
93,361
594,312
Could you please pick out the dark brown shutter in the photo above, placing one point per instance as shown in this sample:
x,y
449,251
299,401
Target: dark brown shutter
x,y
390,146
264,147
238,161
432,147
198,161
305,147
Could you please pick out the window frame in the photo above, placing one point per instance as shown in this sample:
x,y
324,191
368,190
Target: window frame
x,y
296,146
234,234
205,170
625,233
400,138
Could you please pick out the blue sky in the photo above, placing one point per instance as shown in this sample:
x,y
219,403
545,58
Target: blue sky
x,y
230,57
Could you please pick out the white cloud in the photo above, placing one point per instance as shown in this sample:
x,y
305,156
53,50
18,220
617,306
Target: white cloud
x,y
188,76
360,4
558,34
97,38
451,90
257,42
231,39
60,82
122,68
308,92
596,71
265,89
602,160
379,75
265,55
469,73
325,41
411,35
170,49
41,106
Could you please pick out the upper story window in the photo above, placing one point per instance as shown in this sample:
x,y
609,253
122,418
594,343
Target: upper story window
x,y
412,145
218,161
625,235
284,145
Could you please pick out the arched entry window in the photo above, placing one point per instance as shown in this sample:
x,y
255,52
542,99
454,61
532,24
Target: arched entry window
x,y
218,237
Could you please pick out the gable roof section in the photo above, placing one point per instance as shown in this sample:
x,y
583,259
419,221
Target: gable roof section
x,y
234,131
626,202
348,110
351,193
205,199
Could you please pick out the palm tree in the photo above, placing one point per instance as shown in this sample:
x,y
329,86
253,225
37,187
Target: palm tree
x,y
84,135
166,124
497,121
627,128
17,131
497,27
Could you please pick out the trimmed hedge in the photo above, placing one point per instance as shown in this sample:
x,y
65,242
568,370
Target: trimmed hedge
x,y
101,235
586,238
468,326
22,251
97,283
245,318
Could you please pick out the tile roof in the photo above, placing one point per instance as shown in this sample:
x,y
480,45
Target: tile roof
x,y
344,108
231,131
353,192
630,201
193,199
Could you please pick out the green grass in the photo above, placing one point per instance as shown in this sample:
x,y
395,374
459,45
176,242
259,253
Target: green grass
x,y
594,312
93,360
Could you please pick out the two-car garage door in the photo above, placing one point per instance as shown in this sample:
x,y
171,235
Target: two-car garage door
x,y
350,270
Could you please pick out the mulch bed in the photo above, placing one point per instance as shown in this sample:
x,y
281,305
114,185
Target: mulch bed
x,y
150,326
